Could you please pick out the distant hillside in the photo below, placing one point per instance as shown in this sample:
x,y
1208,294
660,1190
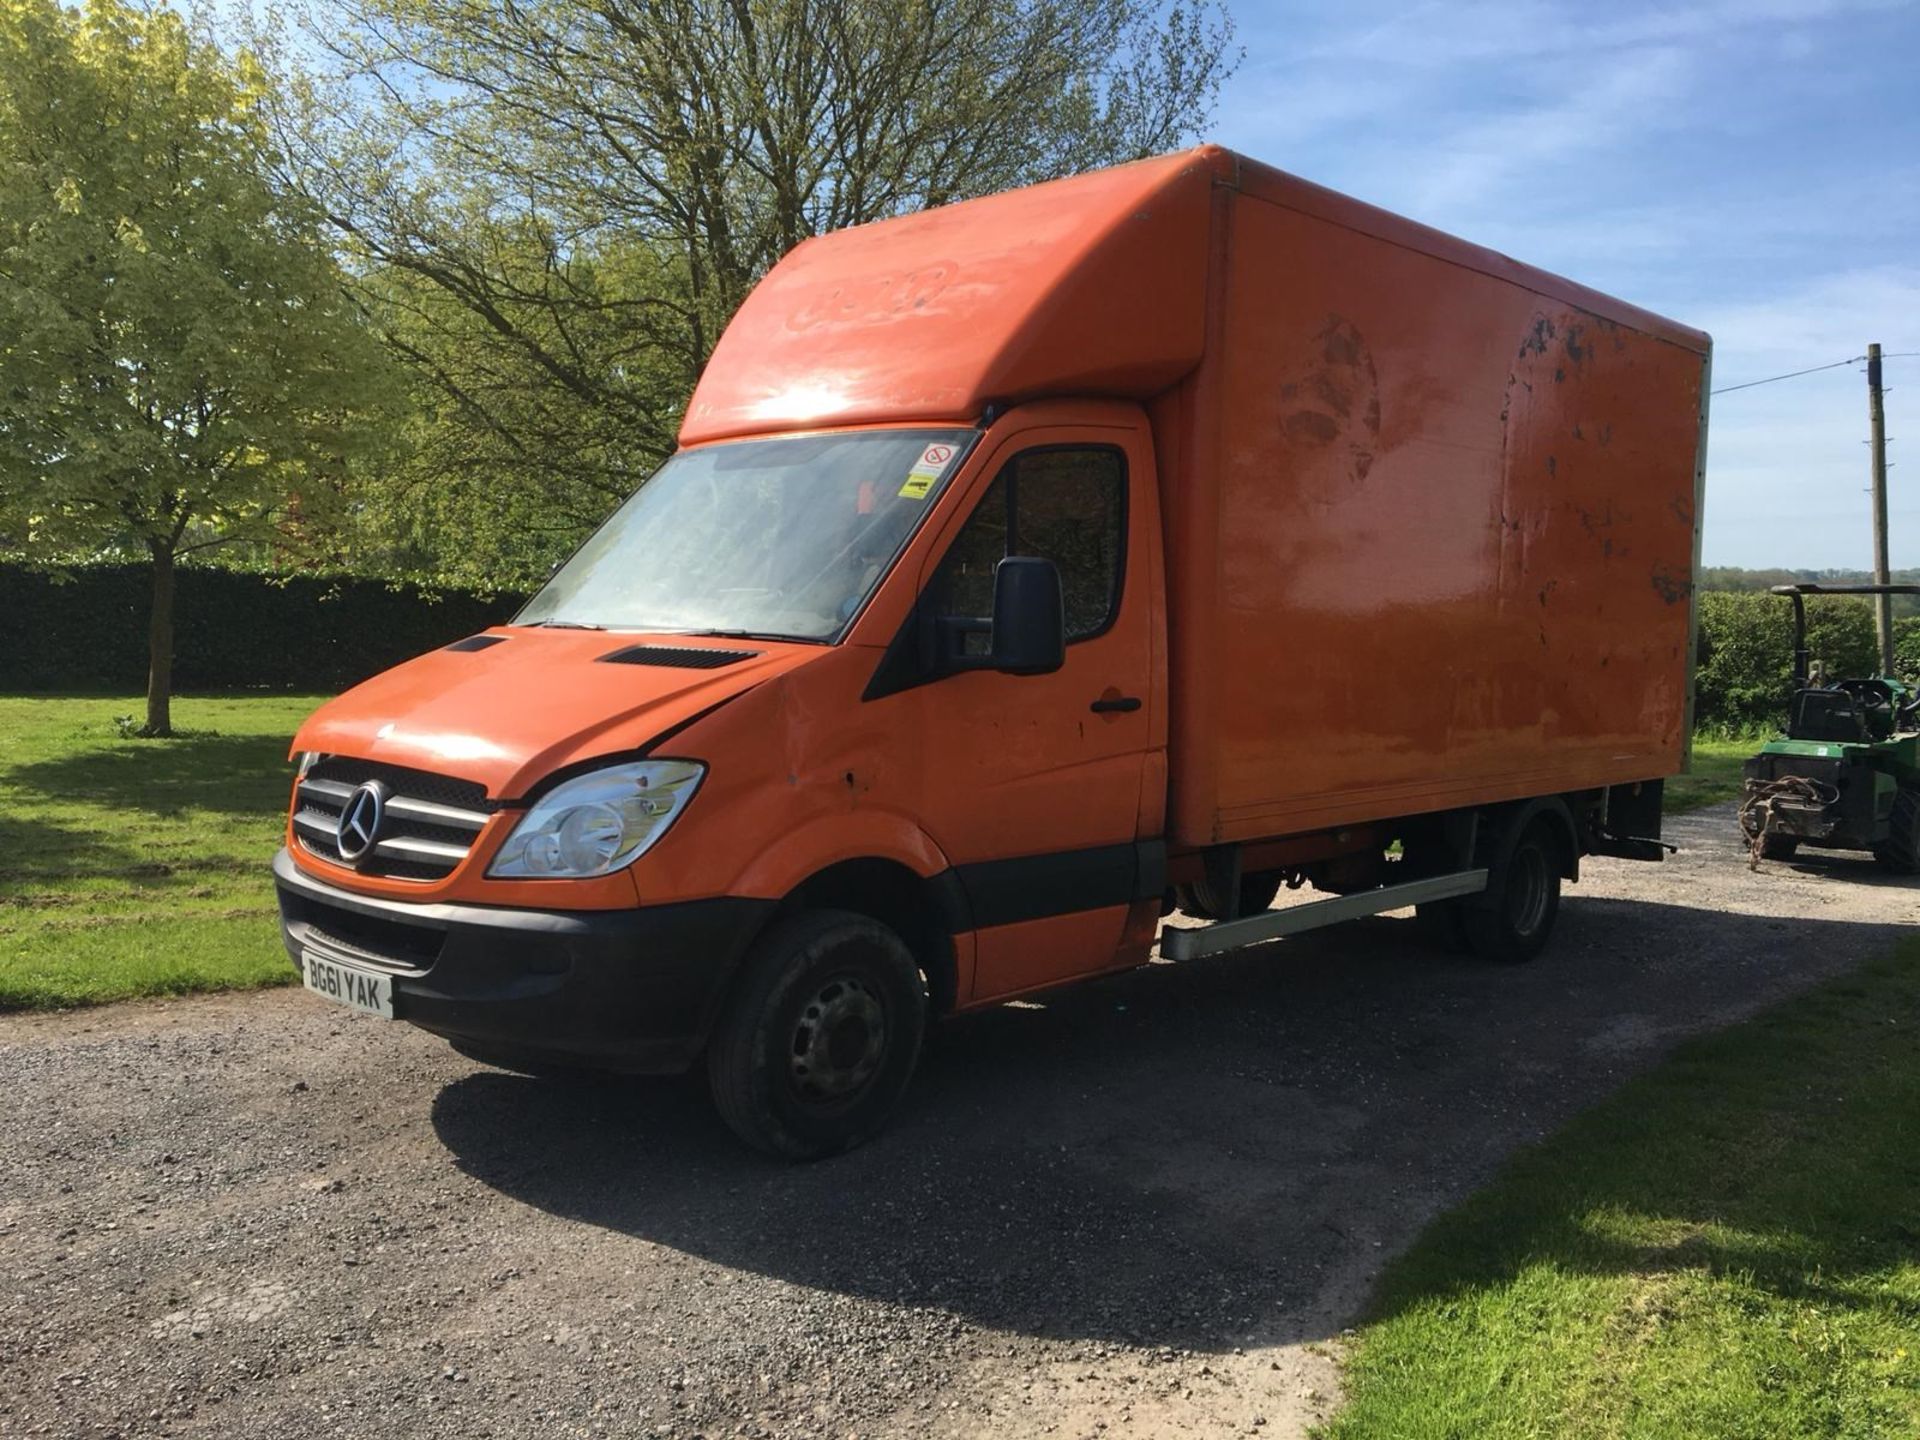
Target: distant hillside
x,y
1732,577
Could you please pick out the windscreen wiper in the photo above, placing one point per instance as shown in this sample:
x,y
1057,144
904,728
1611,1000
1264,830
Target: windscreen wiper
x,y
568,625
753,635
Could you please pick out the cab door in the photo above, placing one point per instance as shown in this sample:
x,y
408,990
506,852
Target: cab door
x,y
1033,784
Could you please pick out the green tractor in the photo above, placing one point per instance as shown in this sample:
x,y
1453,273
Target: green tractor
x,y
1847,775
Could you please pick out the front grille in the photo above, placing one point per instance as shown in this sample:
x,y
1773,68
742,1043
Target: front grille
x,y
427,826
420,784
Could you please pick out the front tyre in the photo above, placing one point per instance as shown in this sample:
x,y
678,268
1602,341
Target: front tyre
x,y
1899,853
820,1037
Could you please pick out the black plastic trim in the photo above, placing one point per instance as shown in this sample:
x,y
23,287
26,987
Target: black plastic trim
x,y
677,657
476,642
630,990
951,900
1064,882
902,666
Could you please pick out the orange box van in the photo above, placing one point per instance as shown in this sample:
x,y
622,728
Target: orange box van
x,y
1030,567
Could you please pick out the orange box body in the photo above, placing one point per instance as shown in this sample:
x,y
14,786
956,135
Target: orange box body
x,y
1431,527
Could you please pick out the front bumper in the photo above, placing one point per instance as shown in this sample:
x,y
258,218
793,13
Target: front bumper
x,y
628,990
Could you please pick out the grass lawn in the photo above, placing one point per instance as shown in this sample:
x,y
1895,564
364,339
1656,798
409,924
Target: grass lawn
x,y
139,867
1716,773
1730,1246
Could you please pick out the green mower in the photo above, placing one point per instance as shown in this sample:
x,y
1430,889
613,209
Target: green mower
x,y
1847,774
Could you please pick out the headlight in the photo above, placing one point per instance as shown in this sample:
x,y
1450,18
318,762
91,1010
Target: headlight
x,y
597,823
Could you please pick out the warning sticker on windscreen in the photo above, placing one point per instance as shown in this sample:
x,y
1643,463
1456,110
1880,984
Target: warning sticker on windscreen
x,y
926,471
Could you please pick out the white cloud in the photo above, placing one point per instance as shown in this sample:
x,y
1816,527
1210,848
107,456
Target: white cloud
x,y
1453,32
1465,165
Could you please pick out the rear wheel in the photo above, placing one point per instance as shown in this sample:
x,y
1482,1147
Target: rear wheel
x,y
821,1035
1513,920
1900,851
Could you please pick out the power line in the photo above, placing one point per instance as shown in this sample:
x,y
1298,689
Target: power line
x,y
1814,370
1790,375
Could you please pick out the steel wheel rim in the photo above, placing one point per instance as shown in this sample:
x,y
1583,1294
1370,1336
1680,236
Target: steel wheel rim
x,y
839,1039
1527,891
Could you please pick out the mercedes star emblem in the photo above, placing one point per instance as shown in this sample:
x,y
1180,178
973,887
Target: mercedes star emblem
x,y
359,828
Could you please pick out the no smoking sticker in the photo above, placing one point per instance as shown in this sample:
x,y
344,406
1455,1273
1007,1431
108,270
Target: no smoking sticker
x,y
926,471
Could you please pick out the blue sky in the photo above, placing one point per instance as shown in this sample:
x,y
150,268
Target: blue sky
x,y
1752,168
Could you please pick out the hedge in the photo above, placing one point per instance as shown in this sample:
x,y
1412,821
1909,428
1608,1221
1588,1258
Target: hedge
x,y
1746,653
237,630
233,630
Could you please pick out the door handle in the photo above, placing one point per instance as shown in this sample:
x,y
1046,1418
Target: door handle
x,y
1115,705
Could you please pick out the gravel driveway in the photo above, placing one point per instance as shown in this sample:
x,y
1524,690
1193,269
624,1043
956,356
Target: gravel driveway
x,y
1137,1208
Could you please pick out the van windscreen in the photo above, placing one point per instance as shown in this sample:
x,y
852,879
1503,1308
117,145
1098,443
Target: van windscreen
x,y
783,538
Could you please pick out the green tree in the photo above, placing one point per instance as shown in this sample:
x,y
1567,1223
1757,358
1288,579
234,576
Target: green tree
x,y
502,467
557,204
1906,646
179,364
1745,672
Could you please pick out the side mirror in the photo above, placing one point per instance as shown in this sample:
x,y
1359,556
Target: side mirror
x,y
1029,618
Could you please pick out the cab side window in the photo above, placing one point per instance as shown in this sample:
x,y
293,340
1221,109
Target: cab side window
x,y
1066,504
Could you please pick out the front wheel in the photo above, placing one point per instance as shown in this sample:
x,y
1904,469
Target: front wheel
x,y
1900,851
821,1036
1512,921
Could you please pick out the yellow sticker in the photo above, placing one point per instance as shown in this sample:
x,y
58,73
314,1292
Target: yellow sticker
x,y
917,486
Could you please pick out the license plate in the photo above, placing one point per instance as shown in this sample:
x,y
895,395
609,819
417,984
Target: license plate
x,y
366,990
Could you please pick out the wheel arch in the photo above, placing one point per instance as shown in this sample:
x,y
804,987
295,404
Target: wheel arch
x,y
1511,822
927,912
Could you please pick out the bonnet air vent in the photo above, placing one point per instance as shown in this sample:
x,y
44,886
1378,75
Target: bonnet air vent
x,y
478,642
678,657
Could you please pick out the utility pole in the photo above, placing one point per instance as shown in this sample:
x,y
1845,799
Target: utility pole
x,y
1877,432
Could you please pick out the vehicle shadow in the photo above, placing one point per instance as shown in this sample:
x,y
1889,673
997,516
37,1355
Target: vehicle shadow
x,y
1197,1155
1856,867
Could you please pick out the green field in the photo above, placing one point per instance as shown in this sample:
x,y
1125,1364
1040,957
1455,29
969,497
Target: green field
x,y
1729,1246
1715,775
139,867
